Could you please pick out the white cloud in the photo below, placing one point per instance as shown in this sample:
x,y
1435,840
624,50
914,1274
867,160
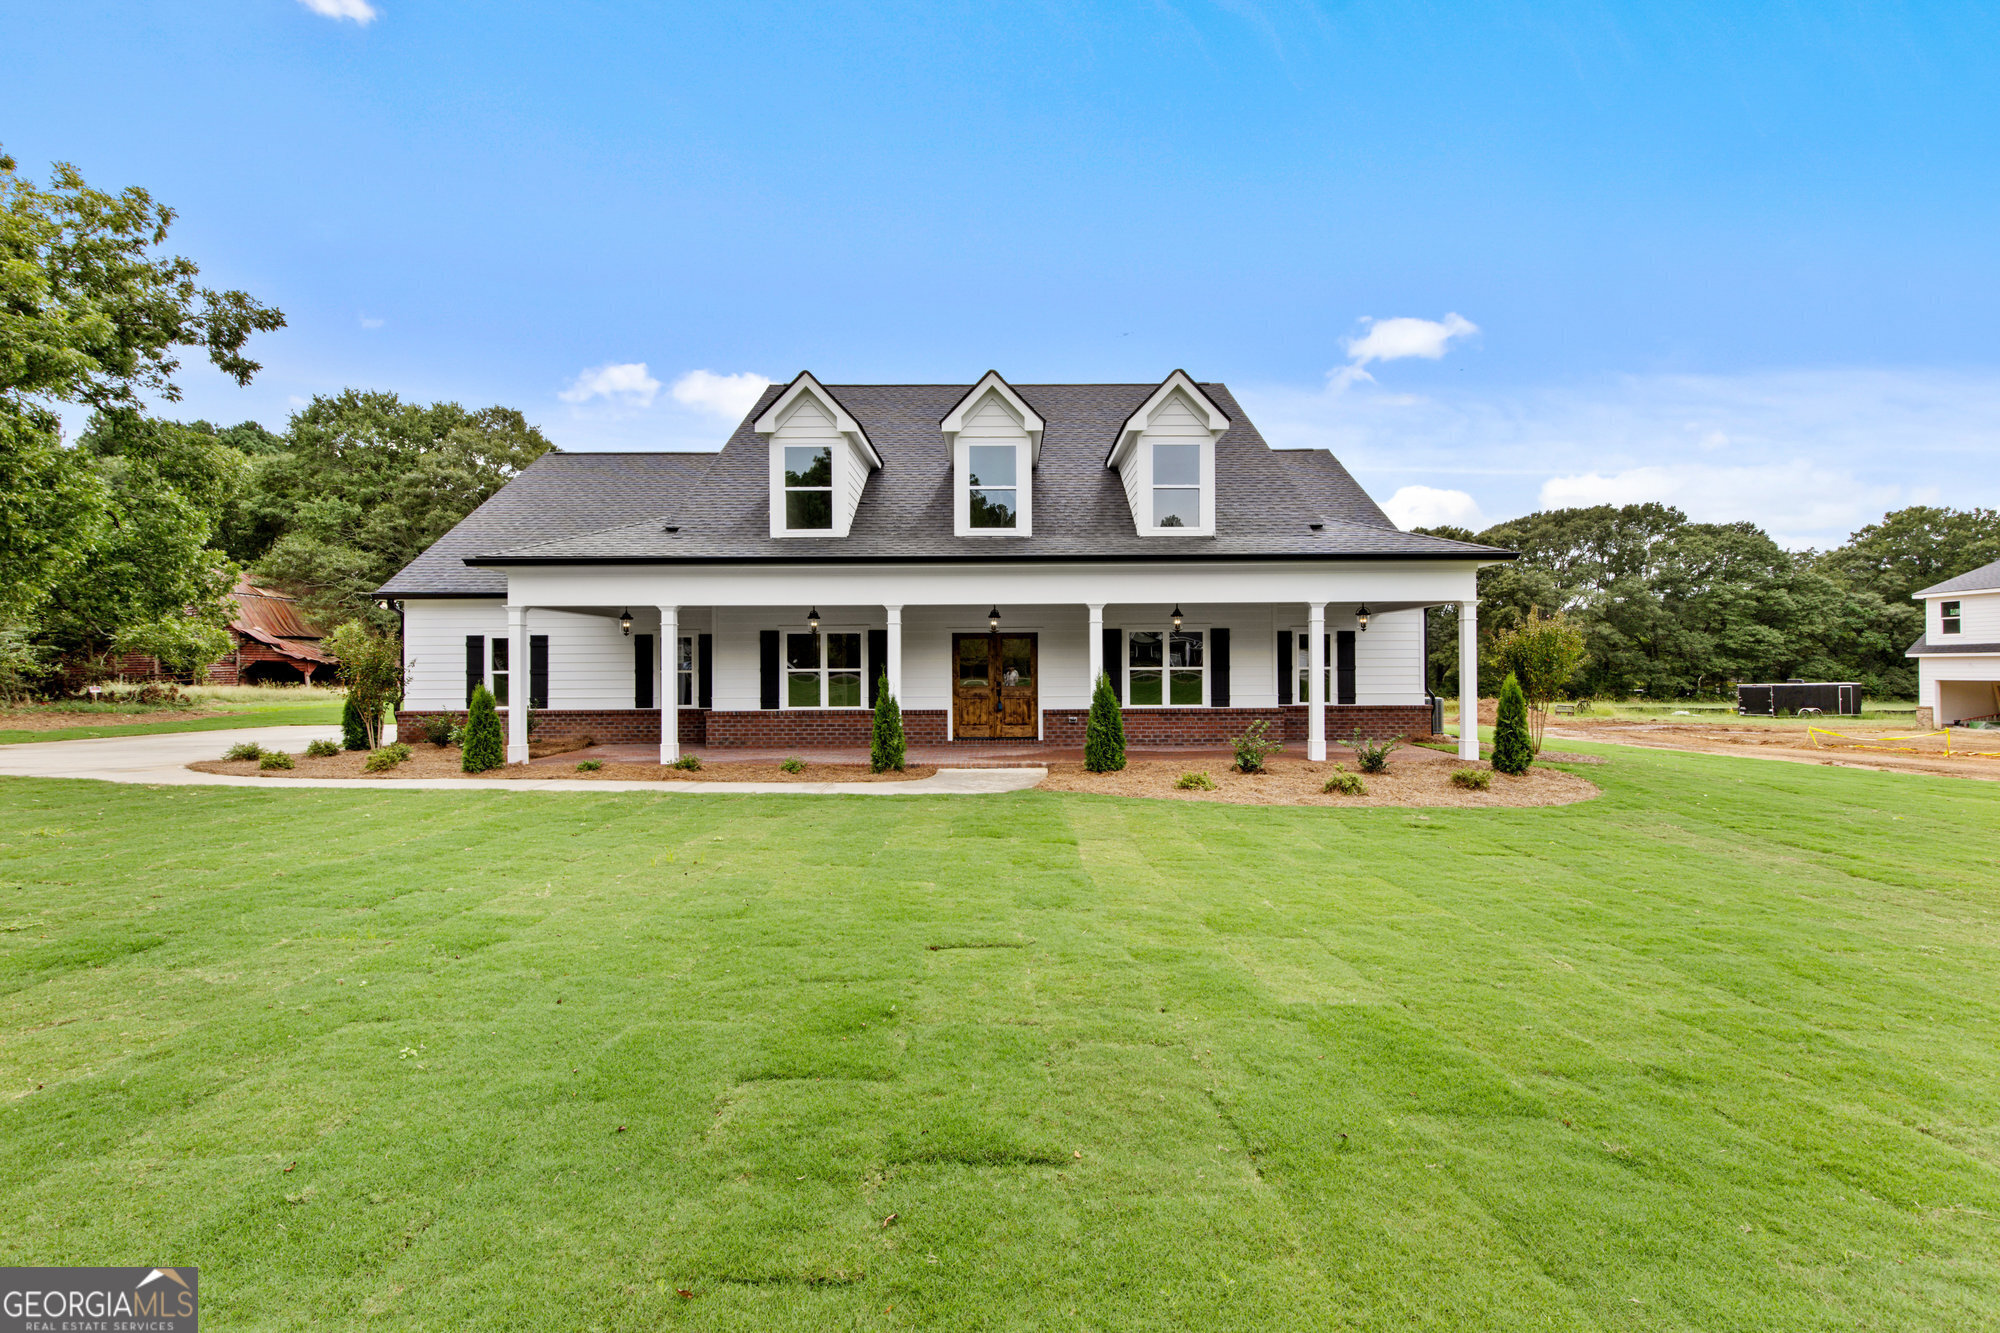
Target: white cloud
x,y
358,10
723,395
1789,497
1396,339
370,322
627,385
1427,507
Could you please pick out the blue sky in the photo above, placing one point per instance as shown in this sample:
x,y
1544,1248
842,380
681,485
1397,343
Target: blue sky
x,y
1737,257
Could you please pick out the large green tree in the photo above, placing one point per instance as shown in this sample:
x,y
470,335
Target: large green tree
x,y
92,312
1914,548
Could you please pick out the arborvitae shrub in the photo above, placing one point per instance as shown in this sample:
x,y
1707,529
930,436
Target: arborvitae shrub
x,y
485,744
1512,749
886,750
1104,733
353,731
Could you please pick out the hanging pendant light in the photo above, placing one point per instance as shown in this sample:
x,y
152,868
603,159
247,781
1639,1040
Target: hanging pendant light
x,y
1361,617
993,619
625,623
1177,615
812,619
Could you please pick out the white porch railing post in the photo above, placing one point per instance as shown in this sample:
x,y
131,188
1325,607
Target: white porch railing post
x,y
520,680
670,684
1316,685
1096,649
1468,680
894,615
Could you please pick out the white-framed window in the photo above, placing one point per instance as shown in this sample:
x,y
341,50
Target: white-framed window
x,y
993,486
1176,485
684,673
1949,621
823,668
501,647
1166,668
808,487
1302,666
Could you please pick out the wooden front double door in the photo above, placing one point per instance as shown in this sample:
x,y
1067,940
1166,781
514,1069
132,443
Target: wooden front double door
x,y
994,683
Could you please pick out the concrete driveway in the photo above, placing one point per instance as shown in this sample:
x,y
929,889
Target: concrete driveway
x,y
162,760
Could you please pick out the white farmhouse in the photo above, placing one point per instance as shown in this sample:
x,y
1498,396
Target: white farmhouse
x,y
1958,658
987,550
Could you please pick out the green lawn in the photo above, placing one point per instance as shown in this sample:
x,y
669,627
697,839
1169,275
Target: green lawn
x,y
1715,1051
324,712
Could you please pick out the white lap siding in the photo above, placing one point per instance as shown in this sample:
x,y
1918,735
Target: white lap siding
x,y
434,647
1388,657
592,664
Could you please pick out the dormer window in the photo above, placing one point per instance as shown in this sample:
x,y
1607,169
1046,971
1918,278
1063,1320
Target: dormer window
x,y
991,472
808,487
1165,455
1176,485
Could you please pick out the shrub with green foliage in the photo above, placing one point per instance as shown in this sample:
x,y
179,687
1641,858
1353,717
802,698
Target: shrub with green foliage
x,y
886,749
275,759
485,745
353,728
439,731
1254,746
794,764
1471,779
381,761
1104,733
1344,783
1512,750
688,763
589,765
1194,782
244,750
1371,756
321,750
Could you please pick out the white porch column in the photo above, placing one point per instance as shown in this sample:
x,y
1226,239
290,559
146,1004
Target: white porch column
x,y
1096,648
1316,686
520,681
1468,680
894,616
670,684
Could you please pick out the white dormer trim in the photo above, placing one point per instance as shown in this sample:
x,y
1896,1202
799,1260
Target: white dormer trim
x,y
1216,420
991,382
994,419
804,383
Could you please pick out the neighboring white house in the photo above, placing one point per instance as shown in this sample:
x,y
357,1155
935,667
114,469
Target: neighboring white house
x,y
988,549
1958,659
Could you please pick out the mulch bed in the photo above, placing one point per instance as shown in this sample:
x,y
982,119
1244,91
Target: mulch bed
x,y
428,761
1298,782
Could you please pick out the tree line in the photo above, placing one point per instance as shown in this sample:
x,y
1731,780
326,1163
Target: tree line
x,y
1672,609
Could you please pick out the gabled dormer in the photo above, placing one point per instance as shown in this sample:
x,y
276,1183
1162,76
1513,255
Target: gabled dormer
x,y
995,439
1165,455
820,460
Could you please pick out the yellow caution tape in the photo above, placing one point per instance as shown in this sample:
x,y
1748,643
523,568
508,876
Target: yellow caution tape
x,y
1858,743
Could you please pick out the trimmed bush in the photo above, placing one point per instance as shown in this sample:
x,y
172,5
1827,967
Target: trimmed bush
x,y
485,745
322,750
1254,746
589,765
439,731
1471,779
1512,749
276,759
1194,782
688,763
381,761
798,765
244,750
1104,733
1344,783
1371,756
886,749
353,730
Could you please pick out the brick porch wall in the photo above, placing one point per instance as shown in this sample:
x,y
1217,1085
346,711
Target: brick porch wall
x,y
1215,726
780,727
616,726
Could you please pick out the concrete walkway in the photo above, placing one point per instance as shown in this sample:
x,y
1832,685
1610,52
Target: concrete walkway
x,y
162,761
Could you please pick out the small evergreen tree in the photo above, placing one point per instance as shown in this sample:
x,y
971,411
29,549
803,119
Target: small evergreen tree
x,y
353,730
1104,733
485,745
1512,752
887,749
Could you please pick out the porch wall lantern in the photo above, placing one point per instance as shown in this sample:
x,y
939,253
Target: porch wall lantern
x,y
812,620
625,623
993,619
1177,615
1361,618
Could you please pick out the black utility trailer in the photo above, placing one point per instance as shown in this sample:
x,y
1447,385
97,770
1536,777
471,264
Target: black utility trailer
x,y
1830,698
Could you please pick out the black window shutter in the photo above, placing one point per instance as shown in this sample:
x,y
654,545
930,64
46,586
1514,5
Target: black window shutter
x,y
1218,668
642,671
767,660
1343,665
704,671
1285,673
1113,641
475,664
878,661
538,671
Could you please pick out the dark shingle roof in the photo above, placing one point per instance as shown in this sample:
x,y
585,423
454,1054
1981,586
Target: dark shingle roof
x,y
1975,580
612,508
1924,647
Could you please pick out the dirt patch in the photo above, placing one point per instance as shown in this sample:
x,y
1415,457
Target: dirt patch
x,y
54,719
428,761
1858,745
1298,782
